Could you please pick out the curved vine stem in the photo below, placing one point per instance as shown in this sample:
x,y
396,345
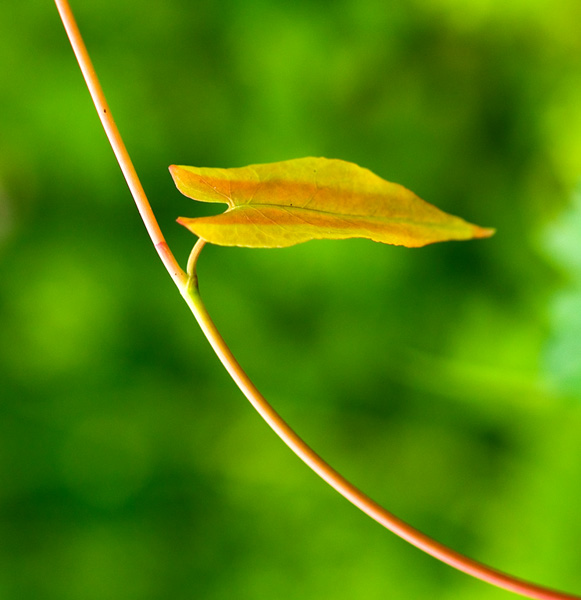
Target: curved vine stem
x,y
188,286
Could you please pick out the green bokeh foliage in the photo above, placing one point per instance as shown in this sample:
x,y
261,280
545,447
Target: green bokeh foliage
x,y
443,381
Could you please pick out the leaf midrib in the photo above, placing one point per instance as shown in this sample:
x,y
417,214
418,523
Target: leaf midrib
x,y
380,218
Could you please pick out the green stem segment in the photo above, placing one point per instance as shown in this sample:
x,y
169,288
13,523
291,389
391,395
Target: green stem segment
x,y
334,478
188,287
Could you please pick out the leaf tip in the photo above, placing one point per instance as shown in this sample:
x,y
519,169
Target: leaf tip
x,y
181,177
174,172
483,232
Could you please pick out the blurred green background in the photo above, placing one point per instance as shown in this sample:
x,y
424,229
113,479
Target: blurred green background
x,y
445,381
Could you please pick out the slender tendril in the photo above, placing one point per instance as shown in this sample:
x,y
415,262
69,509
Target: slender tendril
x,y
191,268
187,284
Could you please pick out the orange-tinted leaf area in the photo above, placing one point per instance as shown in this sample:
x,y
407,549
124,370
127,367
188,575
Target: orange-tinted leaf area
x,y
285,203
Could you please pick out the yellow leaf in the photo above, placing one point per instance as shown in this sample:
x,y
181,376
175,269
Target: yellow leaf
x,y
285,203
